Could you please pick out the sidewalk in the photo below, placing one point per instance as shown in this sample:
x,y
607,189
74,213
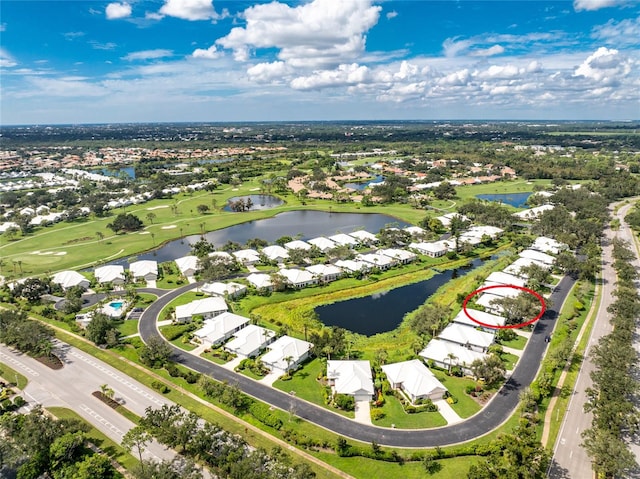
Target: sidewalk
x,y
447,411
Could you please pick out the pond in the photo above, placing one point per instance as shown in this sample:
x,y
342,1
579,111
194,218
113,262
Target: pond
x,y
363,185
517,200
306,224
128,170
253,203
384,311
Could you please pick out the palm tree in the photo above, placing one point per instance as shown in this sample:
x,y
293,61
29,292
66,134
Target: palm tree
x,y
289,360
151,217
99,235
451,357
106,391
153,238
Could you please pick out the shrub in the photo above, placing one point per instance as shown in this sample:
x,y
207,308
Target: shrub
x,y
262,413
173,370
377,414
19,401
345,402
174,331
160,387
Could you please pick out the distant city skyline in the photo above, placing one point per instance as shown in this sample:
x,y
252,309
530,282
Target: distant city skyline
x,y
130,61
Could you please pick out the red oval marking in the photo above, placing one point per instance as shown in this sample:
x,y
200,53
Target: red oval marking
x,y
510,326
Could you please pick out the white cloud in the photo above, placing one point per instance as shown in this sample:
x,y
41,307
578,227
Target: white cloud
x,y
102,46
3,27
625,32
402,93
459,78
504,71
452,47
392,14
209,53
344,75
579,5
68,87
6,60
604,66
73,35
488,52
320,34
116,10
274,72
189,9
148,55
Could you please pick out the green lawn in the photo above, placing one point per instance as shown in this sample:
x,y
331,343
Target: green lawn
x,y
516,186
509,360
209,356
10,375
394,414
184,298
128,327
518,343
466,405
113,450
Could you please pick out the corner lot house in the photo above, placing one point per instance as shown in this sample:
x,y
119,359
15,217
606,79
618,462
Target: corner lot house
x,y
445,353
111,273
353,378
207,308
188,265
146,269
414,379
217,330
231,289
286,353
352,266
69,279
468,337
249,341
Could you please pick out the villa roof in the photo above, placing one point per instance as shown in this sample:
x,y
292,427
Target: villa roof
x,y
69,279
538,256
221,289
415,377
439,350
297,276
201,306
275,252
250,339
322,243
298,244
364,236
286,347
187,262
462,334
143,268
351,377
260,280
109,273
216,329
344,239
481,316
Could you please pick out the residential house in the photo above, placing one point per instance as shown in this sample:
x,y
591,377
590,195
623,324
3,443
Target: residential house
x,y
532,213
325,272
400,255
231,289
446,354
297,244
505,278
467,336
260,280
492,320
188,265
247,256
322,243
377,260
537,256
275,253
207,308
110,273
298,278
446,219
145,269
70,279
249,341
286,353
220,328
518,266
548,245
416,231
342,239
353,266
353,378
415,380
365,237
489,300
435,249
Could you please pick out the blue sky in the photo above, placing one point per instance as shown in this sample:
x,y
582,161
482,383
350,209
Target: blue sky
x,y
81,61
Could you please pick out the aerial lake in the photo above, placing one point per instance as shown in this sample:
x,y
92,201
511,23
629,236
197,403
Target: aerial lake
x,y
384,311
306,224
517,200
364,184
258,202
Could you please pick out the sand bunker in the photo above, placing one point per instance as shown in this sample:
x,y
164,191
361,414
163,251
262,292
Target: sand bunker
x,y
157,207
169,227
144,233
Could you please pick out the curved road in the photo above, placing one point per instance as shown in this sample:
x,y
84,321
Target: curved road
x,y
491,416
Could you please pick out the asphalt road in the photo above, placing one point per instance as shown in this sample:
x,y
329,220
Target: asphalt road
x,y
570,460
493,415
71,387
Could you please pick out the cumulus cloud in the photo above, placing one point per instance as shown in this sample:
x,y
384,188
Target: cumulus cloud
x,y
148,55
319,34
6,60
274,72
488,52
344,75
625,32
392,14
458,78
604,66
579,5
402,93
501,71
210,53
188,10
116,10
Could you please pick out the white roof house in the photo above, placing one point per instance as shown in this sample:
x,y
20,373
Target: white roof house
x,y
434,249
250,340
364,237
378,260
260,280
446,219
219,329
467,336
146,269
488,301
499,289
298,244
351,377
298,278
286,353
415,379
515,268
352,265
207,307
7,225
224,289
110,273
325,272
548,245
69,279
415,230
221,255
275,253
188,265
505,278
537,256
402,256
483,317
323,244
532,213
344,240
438,351
247,256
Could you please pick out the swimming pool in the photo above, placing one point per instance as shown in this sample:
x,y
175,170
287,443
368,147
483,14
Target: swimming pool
x,y
116,304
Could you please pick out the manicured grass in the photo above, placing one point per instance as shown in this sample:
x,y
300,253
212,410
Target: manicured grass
x,y
112,449
178,342
518,343
250,374
11,375
365,468
128,327
516,186
394,414
184,298
509,360
131,416
209,356
466,405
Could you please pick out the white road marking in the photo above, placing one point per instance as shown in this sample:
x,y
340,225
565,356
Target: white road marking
x,y
14,361
100,419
